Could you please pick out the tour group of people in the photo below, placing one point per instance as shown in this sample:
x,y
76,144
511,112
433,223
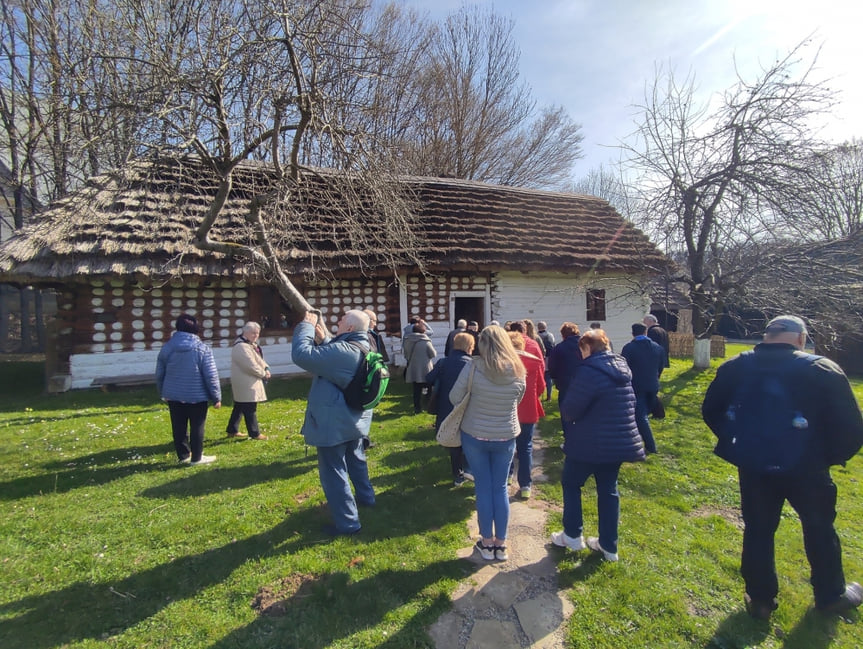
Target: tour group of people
x,y
505,372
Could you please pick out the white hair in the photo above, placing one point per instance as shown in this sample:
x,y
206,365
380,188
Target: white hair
x,y
359,320
461,324
650,319
252,326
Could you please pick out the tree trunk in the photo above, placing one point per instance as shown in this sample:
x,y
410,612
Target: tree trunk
x,y
701,354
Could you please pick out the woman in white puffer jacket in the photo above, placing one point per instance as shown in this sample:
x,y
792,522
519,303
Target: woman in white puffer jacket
x,y
489,428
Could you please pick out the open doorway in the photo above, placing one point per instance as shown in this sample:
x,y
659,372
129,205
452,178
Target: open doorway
x,y
470,307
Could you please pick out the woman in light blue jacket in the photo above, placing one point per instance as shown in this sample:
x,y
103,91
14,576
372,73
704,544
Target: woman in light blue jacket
x,y
488,431
187,379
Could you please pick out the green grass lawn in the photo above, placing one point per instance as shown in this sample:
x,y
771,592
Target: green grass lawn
x,y
108,543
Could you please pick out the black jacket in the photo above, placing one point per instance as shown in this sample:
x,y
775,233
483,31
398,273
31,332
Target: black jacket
x,y
821,391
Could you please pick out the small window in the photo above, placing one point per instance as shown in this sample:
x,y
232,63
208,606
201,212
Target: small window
x,y
268,309
595,304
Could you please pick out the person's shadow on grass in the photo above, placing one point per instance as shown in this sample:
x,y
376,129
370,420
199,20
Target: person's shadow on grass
x,y
93,611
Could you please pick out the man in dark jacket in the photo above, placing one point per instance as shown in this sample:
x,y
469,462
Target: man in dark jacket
x,y
646,359
547,339
565,358
658,335
827,408
460,327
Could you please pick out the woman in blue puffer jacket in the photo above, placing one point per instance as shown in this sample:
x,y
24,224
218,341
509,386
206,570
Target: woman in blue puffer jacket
x,y
599,433
187,379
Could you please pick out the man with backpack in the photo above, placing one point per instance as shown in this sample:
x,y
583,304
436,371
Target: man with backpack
x,y
783,417
331,426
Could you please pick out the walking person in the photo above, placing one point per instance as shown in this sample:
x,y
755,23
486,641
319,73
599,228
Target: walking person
x,y
187,379
530,411
489,428
646,359
249,371
547,339
565,358
419,352
442,378
599,434
821,426
334,429
658,335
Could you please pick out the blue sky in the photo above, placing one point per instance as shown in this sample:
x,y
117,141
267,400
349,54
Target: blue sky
x,y
594,57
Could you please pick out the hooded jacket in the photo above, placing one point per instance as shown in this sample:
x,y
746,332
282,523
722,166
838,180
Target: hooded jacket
x,y
186,370
329,421
598,412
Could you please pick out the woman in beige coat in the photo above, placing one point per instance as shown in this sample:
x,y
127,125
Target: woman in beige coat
x,y
248,373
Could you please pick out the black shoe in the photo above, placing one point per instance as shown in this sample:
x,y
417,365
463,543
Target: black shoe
x,y
760,609
847,601
332,530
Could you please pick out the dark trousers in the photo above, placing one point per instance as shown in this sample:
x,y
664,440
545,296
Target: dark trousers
x,y
248,410
187,425
574,475
418,396
813,497
456,462
643,403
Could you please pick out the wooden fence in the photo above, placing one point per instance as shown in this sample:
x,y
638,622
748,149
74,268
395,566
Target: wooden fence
x,y
682,345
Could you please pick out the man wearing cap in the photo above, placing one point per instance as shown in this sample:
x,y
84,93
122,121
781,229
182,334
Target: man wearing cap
x,y
822,394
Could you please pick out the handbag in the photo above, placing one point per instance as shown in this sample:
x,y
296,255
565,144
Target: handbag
x,y
449,432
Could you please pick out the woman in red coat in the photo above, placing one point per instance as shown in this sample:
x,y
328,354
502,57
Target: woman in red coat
x,y
529,412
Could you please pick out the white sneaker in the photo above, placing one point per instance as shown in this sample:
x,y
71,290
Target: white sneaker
x,y
186,460
485,551
205,459
468,476
525,492
562,540
593,544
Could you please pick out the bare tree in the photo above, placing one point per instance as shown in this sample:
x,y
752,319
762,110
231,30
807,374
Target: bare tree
x,y
289,83
831,206
477,119
711,178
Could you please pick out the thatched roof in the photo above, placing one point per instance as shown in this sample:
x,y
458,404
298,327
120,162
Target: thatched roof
x,y
141,221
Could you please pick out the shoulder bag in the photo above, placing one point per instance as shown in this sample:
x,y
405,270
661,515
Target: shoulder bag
x,y
449,432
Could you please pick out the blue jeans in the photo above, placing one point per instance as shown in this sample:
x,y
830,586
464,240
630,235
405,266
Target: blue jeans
x,y
813,497
524,453
549,384
575,474
643,402
336,465
489,462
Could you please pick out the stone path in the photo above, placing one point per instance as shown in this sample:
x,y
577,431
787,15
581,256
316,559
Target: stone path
x,y
509,604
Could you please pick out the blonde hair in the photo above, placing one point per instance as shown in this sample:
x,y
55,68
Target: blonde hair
x,y
463,342
517,340
497,354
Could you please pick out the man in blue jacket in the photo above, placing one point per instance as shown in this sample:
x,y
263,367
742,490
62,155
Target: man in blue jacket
x,y
646,359
334,429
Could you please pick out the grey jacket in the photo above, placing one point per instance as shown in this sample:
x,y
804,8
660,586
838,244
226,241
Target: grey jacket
x,y
419,352
492,412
